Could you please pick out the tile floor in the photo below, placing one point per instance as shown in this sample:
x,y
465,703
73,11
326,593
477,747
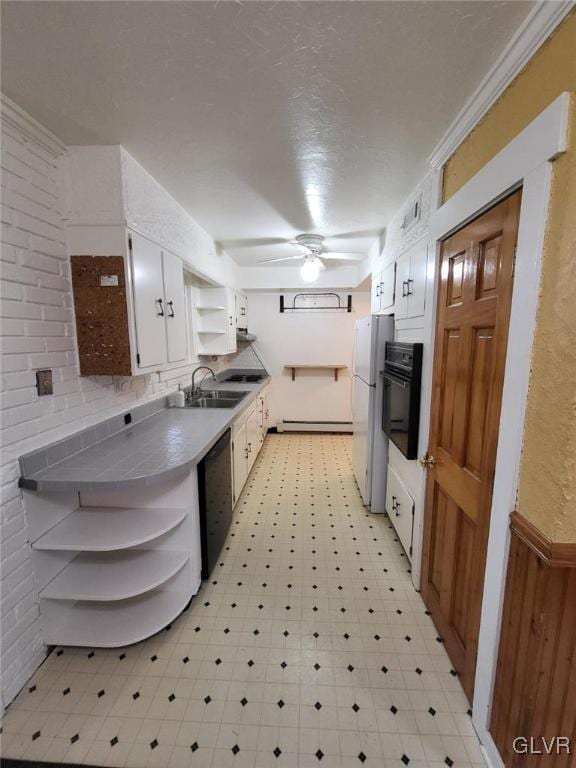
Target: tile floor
x,y
308,647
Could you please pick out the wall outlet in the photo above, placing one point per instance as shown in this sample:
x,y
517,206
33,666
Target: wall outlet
x,y
44,383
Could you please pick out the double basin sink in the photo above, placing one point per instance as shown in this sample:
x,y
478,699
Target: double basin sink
x,y
215,398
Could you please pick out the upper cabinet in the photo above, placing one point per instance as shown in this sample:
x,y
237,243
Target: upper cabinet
x,y
383,291
411,282
241,311
130,309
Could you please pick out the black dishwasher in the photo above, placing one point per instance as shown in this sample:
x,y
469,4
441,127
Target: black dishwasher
x,y
215,497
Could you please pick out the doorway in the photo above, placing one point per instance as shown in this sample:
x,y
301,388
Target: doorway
x,y
473,311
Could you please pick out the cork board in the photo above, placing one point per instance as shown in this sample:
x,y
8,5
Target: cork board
x,y
99,285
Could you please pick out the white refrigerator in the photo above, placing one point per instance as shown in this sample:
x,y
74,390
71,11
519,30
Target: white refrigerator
x,y
370,444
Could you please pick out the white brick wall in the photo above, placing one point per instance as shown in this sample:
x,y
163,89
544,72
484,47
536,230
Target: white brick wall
x,y
37,331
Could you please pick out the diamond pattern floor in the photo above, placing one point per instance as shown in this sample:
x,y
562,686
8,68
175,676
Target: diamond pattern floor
x,y
308,647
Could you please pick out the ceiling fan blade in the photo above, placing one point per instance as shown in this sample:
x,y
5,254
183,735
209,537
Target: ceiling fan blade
x,y
280,258
301,247
343,256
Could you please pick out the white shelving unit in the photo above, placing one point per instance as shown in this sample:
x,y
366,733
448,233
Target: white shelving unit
x,y
105,529
114,575
213,318
110,574
118,623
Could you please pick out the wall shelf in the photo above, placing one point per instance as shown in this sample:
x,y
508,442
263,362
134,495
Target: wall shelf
x,y
114,575
321,366
105,529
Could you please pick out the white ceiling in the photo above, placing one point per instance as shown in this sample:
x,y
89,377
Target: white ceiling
x,y
263,119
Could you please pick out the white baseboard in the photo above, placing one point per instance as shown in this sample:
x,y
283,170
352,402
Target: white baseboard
x,y
314,426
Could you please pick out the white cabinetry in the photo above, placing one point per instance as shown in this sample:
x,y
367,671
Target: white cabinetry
x,y
176,336
411,282
383,290
159,304
400,509
241,311
248,434
119,567
213,324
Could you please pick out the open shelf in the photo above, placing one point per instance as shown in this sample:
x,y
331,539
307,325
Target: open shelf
x,y
114,575
321,366
105,529
213,333
116,624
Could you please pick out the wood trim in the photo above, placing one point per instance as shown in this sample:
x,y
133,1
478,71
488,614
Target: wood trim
x,y
536,672
554,554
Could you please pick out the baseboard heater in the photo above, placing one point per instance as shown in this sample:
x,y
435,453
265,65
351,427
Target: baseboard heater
x,y
314,426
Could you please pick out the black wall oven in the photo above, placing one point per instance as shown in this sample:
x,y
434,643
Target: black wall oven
x,y
401,392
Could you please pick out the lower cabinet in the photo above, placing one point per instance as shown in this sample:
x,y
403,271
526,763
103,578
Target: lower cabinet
x,y
400,509
247,438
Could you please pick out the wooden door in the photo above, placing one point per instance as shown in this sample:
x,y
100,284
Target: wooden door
x,y
474,296
176,334
149,302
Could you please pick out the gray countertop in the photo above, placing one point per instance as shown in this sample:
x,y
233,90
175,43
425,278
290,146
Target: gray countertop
x,y
164,445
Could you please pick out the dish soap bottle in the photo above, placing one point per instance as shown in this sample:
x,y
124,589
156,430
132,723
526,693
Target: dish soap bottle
x,y
179,398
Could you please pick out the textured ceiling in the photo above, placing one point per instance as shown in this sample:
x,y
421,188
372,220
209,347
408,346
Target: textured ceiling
x,y
263,119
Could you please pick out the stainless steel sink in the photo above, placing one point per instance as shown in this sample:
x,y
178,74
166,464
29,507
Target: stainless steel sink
x,y
214,398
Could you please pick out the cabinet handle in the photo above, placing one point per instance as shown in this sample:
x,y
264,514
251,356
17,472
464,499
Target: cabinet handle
x,y
409,292
404,294
170,304
161,313
249,447
378,289
395,505
245,453
230,318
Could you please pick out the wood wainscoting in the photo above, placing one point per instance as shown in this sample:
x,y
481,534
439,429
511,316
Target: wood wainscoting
x,y
535,683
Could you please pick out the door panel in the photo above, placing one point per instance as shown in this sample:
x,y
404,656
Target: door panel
x,y
474,297
417,284
360,412
175,307
149,306
402,285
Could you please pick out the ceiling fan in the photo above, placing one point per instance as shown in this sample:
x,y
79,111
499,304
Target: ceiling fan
x,y
311,250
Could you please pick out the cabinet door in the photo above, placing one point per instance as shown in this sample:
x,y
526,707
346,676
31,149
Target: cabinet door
x,y
417,284
263,406
400,509
149,306
253,436
242,311
376,290
239,460
176,336
231,324
402,286
387,287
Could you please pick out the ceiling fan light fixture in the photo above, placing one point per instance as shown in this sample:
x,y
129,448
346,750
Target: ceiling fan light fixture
x,y
310,270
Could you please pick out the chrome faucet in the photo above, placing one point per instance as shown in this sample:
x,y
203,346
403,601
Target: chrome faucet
x,y
195,388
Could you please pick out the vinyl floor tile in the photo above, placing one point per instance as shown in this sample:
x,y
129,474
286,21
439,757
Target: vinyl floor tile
x,y
307,647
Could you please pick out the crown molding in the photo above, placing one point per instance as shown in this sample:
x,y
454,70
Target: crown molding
x,y
535,30
34,131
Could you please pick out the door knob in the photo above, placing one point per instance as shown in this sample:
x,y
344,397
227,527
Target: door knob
x,y
427,461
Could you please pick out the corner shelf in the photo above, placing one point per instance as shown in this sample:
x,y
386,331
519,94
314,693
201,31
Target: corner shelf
x,y
114,575
116,624
321,366
106,529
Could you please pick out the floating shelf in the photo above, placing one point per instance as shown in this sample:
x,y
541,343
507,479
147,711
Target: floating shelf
x,y
202,307
213,333
115,575
116,624
105,529
321,366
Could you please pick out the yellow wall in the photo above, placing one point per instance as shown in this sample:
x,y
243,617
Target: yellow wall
x,y
547,492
